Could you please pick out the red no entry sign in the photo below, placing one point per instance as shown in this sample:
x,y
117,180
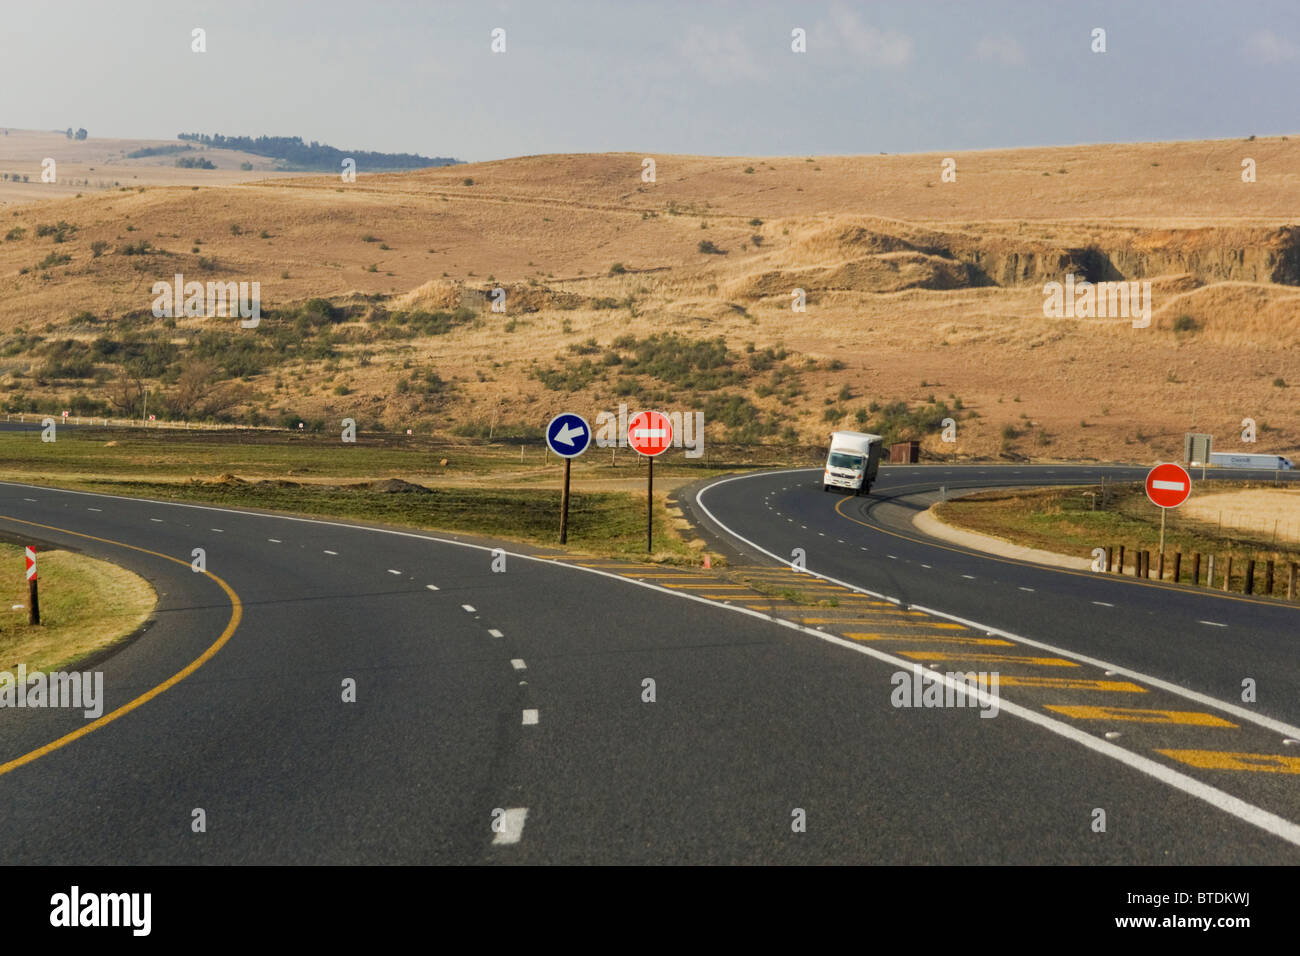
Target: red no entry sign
x,y
1168,485
650,433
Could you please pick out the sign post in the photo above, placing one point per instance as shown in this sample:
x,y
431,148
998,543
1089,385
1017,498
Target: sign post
x,y
1168,486
33,598
568,435
650,434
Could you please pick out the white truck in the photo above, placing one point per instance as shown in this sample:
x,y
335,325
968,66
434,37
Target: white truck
x,y
1224,459
853,462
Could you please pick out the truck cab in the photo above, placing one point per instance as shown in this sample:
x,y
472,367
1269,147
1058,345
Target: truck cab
x,y
853,462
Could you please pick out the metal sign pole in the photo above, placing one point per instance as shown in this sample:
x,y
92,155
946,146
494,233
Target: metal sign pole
x,y
1163,512
649,504
564,504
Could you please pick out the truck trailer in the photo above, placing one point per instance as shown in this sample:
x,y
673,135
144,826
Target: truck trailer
x,y
853,462
1266,462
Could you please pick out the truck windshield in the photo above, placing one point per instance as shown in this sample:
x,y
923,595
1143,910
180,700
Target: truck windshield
x,y
840,460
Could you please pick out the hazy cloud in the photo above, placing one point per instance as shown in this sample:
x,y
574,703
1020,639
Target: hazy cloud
x,y
718,55
870,45
1004,50
1271,48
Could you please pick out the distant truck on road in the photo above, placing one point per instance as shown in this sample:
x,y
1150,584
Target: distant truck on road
x,y
853,462
1267,462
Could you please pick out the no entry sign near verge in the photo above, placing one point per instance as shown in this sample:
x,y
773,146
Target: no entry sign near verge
x,y
650,434
1168,486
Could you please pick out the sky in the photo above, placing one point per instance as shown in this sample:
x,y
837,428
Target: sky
x,y
703,77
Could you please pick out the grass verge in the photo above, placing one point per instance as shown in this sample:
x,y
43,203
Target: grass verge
x,y
86,606
1063,520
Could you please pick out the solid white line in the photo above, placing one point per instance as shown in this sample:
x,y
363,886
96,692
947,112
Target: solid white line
x,y
1212,623
494,632
1271,823
518,664
530,718
468,607
393,571
327,551
512,826
432,587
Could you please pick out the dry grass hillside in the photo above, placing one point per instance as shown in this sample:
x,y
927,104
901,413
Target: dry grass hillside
x,y
924,297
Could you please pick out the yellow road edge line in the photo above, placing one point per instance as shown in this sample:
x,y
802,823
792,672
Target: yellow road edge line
x,y
236,615
941,638
1224,760
1070,683
1139,715
991,658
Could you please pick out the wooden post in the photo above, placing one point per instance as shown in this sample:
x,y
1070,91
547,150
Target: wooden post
x,y
1268,578
1196,568
1160,566
1227,574
1178,566
33,603
1250,576
1110,557
1209,573
1290,581
1119,568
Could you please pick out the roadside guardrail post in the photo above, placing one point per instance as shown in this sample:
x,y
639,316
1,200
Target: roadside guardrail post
x,y
1250,576
1290,581
1178,565
1196,568
1160,566
1209,573
1227,575
1110,557
1119,568
1268,578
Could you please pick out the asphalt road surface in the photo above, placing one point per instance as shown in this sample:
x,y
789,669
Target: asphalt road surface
x,y
505,716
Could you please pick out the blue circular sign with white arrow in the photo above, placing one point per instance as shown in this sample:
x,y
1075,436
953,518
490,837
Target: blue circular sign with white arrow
x,y
568,435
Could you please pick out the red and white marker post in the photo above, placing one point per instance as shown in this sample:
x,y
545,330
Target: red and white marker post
x,y
1168,486
33,598
650,434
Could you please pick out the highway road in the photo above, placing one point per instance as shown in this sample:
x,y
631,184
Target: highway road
x,y
505,716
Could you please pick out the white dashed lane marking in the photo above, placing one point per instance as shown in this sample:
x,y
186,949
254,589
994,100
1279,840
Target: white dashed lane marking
x,y
530,717
432,587
494,632
518,664
393,571
94,509
1102,604
328,551
275,540
468,607
1030,590
969,577
158,520
218,530
1212,623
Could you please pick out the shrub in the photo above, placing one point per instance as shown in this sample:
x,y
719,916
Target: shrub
x,y
707,247
1185,323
